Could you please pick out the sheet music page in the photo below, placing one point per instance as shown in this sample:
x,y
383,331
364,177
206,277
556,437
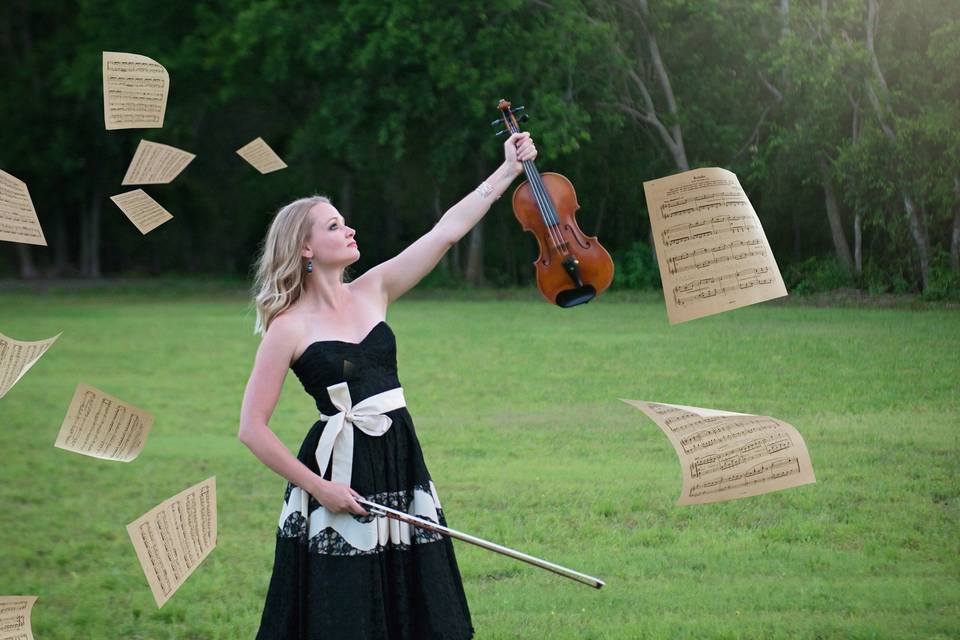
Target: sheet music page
x,y
711,250
155,163
16,358
15,614
259,154
143,211
135,91
725,455
18,218
102,426
173,538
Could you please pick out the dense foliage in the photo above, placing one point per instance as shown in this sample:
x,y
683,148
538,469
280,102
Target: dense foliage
x,y
840,117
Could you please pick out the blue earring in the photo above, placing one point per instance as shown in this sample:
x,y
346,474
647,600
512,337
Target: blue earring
x,y
309,266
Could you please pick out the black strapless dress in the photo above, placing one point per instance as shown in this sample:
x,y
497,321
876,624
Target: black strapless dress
x,y
340,576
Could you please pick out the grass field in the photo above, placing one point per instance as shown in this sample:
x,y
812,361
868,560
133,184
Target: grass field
x,y
516,405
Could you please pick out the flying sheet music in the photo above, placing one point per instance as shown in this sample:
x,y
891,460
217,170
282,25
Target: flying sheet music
x,y
15,617
259,154
173,538
101,426
134,91
143,211
18,218
725,455
16,358
155,163
711,250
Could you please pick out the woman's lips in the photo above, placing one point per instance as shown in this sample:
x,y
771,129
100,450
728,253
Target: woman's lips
x,y
352,244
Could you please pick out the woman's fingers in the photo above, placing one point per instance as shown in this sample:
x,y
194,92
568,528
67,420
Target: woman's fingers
x,y
355,506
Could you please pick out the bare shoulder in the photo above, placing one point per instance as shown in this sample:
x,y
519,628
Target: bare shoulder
x,y
281,340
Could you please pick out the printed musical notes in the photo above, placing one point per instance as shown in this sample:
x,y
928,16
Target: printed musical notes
x,y
142,210
18,218
700,259
711,249
173,538
259,154
155,163
724,283
101,426
727,455
15,617
134,91
16,358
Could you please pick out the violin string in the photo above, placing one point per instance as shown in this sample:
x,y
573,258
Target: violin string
x,y
551,220
543,201
541,196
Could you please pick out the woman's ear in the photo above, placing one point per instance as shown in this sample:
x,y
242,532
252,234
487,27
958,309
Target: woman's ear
x,y
306,252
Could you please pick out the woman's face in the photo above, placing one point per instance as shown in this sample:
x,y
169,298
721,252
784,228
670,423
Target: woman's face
x,y
331,242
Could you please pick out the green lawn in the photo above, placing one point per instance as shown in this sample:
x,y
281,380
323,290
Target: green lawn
x,y
516,404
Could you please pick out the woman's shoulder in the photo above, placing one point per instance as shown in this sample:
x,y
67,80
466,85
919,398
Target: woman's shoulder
x,y
285,329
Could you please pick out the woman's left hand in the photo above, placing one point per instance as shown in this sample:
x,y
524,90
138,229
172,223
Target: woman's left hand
x,y
517,149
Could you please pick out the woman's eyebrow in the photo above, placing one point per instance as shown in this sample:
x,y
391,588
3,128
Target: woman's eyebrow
x,y
335,217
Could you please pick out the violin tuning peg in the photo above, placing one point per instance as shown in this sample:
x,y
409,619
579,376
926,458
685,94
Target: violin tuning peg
x,y
496,123
501,132
516,110
523,117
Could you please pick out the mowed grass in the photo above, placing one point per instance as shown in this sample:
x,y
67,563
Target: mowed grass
x,y
516,406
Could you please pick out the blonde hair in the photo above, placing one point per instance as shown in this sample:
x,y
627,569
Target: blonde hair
x,y
280,270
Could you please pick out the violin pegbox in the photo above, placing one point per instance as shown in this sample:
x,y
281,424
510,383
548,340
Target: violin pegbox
x,y
510,118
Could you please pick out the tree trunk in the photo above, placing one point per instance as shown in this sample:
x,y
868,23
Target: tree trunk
x,y
474,273
474,270
857,246
879,100
918,230
955,236
840,246
672,135
27,270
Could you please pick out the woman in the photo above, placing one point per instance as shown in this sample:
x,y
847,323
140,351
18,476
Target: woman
x,y
338,571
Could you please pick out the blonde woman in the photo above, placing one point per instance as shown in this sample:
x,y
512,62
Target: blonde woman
x,y
339,572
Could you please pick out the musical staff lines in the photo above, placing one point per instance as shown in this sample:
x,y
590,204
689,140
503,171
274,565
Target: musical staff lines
x,y
705,288
706,202
710,246
707,257
715,226
727,455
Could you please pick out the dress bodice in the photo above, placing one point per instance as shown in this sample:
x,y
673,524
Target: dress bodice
x,y
368,367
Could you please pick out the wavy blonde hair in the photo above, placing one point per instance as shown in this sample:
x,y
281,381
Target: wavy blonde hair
x,y
280,268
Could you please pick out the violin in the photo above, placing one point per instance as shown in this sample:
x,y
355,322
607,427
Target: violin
x,y
572,268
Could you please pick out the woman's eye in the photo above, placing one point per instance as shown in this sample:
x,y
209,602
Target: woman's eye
x,y
333,226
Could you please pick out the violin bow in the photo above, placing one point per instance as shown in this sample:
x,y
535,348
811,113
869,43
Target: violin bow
x,y
387,512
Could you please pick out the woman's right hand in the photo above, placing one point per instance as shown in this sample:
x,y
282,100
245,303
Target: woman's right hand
x,y
337,497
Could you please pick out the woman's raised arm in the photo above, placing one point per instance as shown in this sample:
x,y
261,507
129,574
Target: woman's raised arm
x,y
398,275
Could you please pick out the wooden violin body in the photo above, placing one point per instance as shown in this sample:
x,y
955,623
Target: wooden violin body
x,y
557,274
572,268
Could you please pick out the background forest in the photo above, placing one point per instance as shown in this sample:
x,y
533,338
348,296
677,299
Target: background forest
x,y
840,118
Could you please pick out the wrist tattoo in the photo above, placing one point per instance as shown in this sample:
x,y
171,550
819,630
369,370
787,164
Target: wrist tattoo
x,y
485,189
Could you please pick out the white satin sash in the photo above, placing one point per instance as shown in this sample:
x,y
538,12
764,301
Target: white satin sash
x,y
336,441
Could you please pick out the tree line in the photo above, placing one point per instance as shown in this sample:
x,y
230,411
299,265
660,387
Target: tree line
x,y
841,118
